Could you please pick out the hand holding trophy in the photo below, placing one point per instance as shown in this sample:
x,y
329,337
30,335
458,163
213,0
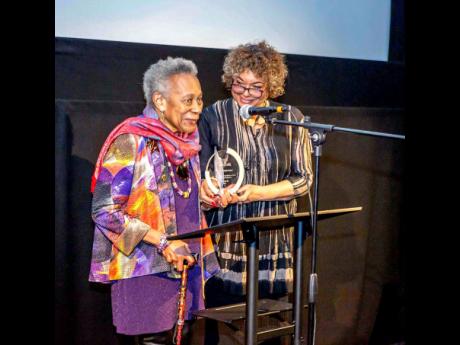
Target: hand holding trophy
x,y
224,175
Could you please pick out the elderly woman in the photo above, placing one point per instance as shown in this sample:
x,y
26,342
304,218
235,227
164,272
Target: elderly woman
x,y
145,188
277,170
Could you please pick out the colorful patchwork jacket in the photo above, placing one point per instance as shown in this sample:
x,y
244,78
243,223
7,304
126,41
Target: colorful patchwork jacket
x,y
133,193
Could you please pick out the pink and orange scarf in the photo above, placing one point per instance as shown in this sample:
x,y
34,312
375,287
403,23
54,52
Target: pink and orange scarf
x,y
178,147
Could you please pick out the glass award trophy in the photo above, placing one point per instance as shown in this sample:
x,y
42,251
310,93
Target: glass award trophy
x,y
224,168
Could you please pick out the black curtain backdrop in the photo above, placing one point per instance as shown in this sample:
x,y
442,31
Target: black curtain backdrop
x,y
360,267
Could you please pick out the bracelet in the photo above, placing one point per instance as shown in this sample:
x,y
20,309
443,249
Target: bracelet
x,y
163,243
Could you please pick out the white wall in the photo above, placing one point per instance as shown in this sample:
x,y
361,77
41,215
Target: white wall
x,y
357,29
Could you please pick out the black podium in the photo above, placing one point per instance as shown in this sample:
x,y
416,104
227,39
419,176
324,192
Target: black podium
x,y
251,309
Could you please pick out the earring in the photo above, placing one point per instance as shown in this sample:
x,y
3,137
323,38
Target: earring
x,y
162,115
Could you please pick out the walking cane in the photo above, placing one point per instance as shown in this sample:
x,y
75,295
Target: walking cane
x,y
181,306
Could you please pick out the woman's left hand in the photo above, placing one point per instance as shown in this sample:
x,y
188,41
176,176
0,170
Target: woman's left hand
x,y
211,200
207,197
250,192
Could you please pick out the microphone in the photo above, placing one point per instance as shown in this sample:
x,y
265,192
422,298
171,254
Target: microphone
x,y
246,110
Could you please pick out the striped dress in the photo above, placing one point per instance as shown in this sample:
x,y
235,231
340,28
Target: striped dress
x,y
271,154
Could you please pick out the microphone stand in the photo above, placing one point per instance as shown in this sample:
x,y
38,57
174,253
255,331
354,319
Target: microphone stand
x,y
318,137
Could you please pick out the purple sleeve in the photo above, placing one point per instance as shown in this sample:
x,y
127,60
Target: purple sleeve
x,y
113,188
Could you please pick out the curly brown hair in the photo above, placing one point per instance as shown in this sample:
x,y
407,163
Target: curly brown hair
x,y
262,60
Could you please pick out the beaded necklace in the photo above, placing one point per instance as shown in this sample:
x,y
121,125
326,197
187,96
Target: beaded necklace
x,y
185,194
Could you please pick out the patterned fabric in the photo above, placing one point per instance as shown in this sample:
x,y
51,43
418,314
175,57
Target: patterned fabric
x,y
133,194
135,302
274,153
178,148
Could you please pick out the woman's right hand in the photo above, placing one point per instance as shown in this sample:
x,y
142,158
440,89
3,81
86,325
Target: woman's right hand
x,y
176,252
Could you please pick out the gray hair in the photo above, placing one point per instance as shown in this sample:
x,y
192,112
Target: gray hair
x,y
157,75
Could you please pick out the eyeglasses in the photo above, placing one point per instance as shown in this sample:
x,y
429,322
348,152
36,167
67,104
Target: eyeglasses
x,y
253,91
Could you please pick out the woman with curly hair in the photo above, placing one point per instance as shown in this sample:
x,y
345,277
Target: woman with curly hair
x,y
277,170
